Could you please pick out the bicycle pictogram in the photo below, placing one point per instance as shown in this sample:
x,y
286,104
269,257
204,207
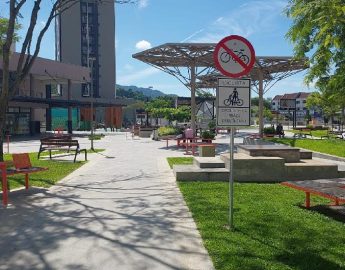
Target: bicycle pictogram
x,y
233,99
225,57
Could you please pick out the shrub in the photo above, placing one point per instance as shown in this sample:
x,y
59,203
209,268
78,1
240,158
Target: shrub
x,y
164,131
269,130
212,124
96,137
207,135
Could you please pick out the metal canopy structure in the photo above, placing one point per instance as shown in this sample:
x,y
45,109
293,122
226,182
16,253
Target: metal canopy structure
x,y
193,65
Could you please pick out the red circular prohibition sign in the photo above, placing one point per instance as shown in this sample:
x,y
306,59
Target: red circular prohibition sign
x,y
246,66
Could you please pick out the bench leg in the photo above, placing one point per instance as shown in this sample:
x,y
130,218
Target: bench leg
x,y
85,154
307,200
39,153
26,181
186,149
75,156
50,154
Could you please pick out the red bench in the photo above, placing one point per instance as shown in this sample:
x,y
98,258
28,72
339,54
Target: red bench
x,y
22,165
333,189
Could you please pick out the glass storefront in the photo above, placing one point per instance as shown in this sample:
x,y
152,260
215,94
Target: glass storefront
x,y
60,118
18,121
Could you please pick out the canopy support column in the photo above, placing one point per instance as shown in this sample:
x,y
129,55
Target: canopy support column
x,y
69,122
193,104
261,103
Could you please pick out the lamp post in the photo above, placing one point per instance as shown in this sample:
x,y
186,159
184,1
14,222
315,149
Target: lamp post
x,y
90,63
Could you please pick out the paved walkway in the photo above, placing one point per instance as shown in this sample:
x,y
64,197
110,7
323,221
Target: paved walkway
x,y
122,210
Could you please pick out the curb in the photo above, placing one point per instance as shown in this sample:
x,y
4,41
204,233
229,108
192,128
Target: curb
x,y
326,156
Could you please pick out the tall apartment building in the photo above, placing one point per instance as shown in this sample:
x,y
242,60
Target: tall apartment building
x,y
86,36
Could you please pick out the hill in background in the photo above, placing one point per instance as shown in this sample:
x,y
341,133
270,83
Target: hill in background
x,y
137,92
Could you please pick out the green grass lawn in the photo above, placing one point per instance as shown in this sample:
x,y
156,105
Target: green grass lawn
x,y
57,171
333,146
96,137
179,161
315,133
58,152
272,230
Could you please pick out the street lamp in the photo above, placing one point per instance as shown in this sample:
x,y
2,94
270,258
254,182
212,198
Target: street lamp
x,y
90,64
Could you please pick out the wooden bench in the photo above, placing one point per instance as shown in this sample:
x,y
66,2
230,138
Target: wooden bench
x,y
52,143
333,134
303,133
21,165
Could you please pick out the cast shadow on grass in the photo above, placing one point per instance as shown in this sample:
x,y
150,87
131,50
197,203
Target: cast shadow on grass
x,y
329,212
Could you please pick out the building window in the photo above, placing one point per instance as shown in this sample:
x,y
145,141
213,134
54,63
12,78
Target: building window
x,y
297,102
85,90
304,101
56,90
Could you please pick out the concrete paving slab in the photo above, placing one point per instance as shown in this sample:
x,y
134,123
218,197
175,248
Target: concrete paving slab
x,y
120,212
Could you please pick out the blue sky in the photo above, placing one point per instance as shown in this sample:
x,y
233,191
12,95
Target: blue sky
x,y
154,22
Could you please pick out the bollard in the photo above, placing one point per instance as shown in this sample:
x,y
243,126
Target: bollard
x,y
8,143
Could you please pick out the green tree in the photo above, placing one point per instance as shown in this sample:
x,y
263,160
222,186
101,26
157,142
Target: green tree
x,y
325,101
268,115
267,102
159,103
3,31
318,29
204,94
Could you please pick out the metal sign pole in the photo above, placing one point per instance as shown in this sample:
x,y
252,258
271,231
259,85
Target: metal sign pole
x,y
233,108
231,180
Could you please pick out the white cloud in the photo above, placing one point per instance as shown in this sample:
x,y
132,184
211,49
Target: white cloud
x,y
251,18
143,3
143,45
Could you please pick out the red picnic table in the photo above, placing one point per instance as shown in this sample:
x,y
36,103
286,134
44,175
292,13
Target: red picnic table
x,y
193,145
179,140
333,189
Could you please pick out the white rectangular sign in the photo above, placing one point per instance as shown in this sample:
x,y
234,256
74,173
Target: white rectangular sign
x,y
233,102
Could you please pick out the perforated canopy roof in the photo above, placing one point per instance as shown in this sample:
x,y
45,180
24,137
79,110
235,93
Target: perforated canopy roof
x,y
193,65
173,57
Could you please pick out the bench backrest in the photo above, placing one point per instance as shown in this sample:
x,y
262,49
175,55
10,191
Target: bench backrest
x,y
61,137
21,161
60,142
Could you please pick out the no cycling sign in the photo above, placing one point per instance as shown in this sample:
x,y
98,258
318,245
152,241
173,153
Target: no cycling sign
x,y
234,56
